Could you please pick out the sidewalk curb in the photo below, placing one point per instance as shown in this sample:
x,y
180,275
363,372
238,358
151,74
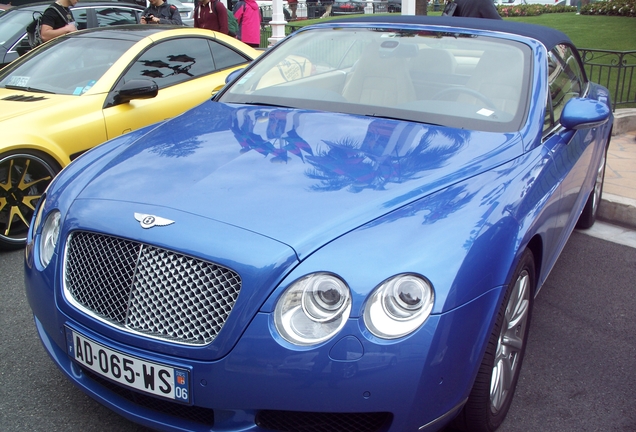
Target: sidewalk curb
x,y
618,209
624,121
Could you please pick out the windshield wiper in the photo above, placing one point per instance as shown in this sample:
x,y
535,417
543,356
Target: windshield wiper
x,y
375,115
29,89
265,104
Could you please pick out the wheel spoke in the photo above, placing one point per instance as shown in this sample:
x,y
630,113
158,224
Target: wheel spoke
x,y
14,212
7,184
501,382
496,391
517,309
506,374
24,184
30,200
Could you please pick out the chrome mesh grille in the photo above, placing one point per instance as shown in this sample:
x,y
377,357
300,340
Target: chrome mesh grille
x,y
147,289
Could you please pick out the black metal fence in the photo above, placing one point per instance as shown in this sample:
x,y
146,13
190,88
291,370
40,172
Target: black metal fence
x,y
615,70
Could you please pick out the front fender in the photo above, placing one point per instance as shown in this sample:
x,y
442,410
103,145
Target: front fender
x,y
28,141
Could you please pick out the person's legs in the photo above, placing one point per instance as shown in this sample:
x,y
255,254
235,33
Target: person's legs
x,y
327,11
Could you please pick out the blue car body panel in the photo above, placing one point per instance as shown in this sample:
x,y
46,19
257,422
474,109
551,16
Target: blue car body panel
x,y
315,190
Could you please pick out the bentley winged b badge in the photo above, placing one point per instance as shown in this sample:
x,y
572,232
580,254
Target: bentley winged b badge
x,y
148,221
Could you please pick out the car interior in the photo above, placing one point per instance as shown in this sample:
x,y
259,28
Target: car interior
x,y
443,79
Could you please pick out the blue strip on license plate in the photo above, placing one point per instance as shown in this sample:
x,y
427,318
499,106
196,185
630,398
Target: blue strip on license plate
x,y
132,372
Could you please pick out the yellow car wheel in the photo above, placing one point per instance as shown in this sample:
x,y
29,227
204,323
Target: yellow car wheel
x,y
24,176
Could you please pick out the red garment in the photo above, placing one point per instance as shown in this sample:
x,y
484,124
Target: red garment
x,y
211,16
249,18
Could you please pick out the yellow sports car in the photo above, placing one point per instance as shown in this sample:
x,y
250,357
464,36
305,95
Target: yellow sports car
x,y
82,89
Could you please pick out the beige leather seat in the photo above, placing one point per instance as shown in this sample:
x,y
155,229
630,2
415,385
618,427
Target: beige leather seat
x,y
498,76
431,71
433,61
381,76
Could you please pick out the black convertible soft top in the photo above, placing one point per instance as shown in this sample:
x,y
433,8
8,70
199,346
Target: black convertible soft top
x,y
546,35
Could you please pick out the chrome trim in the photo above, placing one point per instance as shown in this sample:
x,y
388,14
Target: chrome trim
x,y
132,302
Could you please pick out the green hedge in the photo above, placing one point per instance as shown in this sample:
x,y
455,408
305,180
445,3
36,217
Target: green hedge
x,y
532,10
611,7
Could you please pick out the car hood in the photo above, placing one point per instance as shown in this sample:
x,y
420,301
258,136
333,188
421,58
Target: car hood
x,y
14,103
300,177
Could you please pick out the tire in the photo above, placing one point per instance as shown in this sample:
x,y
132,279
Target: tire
x,y
588,216
493,390
24,176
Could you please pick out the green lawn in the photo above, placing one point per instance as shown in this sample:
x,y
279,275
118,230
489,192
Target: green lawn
x,y
590,31
586,31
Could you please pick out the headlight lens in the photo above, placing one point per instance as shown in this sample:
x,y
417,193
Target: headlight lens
x,y
398,306
313,309
49,237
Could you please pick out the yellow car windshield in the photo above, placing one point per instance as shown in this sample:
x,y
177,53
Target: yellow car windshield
x,y
69,67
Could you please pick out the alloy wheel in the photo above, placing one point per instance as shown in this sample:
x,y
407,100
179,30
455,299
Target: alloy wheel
x,y
23,180
511,341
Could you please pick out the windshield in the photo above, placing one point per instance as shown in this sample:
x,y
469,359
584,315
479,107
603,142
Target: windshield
x,y
69,67
14,23
458,80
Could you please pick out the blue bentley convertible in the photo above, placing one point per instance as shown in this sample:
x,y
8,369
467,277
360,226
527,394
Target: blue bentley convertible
x,y
347,238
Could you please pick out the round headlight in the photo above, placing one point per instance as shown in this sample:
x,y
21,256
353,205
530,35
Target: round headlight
x,y
398,306
312,309
49,237
324,298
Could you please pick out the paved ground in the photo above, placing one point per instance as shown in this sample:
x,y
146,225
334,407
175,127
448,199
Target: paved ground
x,y
619,192
620,174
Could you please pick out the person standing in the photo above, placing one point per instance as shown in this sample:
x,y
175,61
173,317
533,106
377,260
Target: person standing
x,y
160,12
249,18
476,9
293,6
211,15
327,4
58,20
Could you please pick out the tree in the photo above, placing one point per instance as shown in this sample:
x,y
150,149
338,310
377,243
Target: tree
x,y
421,7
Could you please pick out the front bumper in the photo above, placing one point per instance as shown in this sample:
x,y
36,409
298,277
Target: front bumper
x,y
417,383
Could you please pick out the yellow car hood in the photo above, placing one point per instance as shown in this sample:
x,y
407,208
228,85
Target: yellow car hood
x,y
59,125
14,103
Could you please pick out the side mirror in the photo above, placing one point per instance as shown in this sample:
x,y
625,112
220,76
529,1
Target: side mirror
x,y
580,113
232,76
136,89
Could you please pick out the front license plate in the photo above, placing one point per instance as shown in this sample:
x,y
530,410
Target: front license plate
x,y
133,372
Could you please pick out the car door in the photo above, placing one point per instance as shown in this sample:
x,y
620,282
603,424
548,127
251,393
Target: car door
x,y
115,15
103,16
187,70
13,32
572,151
82,17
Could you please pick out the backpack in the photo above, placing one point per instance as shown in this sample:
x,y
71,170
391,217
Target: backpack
x,y
232,24
34,29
